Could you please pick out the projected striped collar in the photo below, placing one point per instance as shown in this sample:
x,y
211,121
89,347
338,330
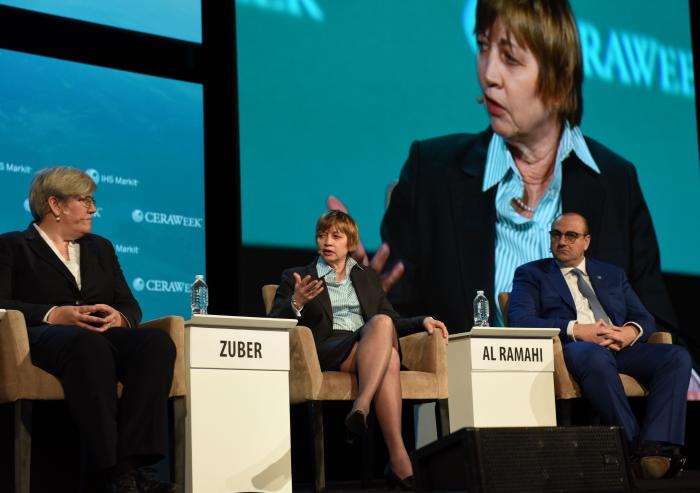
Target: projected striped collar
x,y
518,239
347,314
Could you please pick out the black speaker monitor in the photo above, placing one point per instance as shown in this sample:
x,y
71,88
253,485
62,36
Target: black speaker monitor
x,y
519,460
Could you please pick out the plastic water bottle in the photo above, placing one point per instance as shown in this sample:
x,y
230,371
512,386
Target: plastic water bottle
x,y
200,295
481,310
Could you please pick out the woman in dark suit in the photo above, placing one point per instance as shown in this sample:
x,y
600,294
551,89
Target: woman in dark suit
x,y
82,322
355,329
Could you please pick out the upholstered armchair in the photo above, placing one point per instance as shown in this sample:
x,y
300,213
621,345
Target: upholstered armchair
x,y
21,383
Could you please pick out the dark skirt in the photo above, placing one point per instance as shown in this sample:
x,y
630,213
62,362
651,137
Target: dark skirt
x,y
336,348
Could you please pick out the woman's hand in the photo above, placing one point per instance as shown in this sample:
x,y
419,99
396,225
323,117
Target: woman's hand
x,y
431,324
305,290
99,317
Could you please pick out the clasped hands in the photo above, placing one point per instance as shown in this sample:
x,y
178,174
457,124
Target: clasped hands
x,y
98,318
610,336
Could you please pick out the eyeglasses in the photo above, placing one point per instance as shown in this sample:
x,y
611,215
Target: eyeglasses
x,y
88,201
569,236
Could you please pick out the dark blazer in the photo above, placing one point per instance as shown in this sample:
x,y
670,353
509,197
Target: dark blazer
x,y
33,279
541,297
443,227
318,313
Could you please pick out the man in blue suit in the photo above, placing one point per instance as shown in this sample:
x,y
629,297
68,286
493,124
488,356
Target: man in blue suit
x,y
603,328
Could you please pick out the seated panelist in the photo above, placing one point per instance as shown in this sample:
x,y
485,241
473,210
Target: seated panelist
x,y
82,323
603,328
355,329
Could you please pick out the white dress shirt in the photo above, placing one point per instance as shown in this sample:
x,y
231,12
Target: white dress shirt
x,y
584,314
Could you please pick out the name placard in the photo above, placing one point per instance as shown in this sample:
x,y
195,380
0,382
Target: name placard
x,y
512,354
241,349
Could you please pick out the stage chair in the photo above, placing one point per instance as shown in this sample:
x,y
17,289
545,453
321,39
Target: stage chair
x,y
565,387
21,383
424,355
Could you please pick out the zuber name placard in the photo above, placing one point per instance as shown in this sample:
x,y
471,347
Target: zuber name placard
x,y
512,354
240,349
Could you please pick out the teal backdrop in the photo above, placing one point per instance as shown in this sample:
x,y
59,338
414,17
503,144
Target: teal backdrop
x,y
332,93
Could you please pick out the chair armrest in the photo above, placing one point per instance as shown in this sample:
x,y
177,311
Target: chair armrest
x,y
427,353
305,376
14,353
175,327
660,338
564,385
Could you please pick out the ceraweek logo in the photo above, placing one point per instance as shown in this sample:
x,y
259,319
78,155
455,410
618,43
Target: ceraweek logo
x,y
164,218
160,285
100,178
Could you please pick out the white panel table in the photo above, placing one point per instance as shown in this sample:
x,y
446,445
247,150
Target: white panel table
x,y
238,436
501,377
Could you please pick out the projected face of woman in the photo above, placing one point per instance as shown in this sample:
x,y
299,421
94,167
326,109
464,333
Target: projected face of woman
x,y
508,75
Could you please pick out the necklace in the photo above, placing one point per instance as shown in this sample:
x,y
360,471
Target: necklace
x,y
523,205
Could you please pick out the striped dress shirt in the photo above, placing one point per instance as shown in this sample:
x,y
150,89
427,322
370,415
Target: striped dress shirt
x,y
347,314
519,239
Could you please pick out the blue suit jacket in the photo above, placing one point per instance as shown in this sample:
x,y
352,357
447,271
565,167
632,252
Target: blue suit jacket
x,y
541,297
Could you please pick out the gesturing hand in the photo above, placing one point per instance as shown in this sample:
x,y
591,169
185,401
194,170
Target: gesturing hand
x,y
431,324
99,317
387,279
305,289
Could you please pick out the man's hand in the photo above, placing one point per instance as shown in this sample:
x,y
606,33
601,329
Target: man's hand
x,y
305,289
621,337
431,324
595,332
98,318
378,262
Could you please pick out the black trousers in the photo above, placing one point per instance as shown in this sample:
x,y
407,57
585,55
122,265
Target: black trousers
x,y
89,364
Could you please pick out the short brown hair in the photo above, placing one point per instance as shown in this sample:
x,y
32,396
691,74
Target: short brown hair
x,y
61,182
548,29
344,223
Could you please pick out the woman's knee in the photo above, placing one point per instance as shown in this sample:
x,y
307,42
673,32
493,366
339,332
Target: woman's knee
x,y
90,345
158,343
381,322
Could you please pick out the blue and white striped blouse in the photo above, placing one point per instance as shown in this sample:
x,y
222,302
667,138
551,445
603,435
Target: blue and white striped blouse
x,y
518,239
347,314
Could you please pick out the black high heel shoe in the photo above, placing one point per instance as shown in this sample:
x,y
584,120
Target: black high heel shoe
x,y
356,422
395,482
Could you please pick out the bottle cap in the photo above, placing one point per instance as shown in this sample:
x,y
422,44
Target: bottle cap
x,y
199,276
479,292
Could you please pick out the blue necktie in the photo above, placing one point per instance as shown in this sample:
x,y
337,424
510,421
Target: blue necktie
x,y
590,295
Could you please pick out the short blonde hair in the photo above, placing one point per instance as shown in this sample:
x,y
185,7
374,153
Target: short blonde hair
x,y
548,29
61,182
344,223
